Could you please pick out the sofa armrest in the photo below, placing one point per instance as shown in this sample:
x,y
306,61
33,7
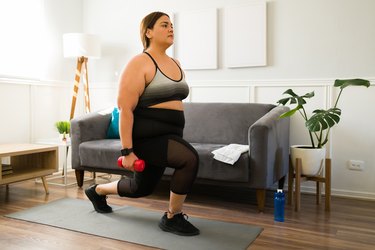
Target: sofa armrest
x,y
269,148
88,127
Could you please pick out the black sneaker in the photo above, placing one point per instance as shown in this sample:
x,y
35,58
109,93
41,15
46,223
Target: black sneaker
x,y
99,201
178,225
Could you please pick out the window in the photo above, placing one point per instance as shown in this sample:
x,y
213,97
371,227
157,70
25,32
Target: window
x,y
21,38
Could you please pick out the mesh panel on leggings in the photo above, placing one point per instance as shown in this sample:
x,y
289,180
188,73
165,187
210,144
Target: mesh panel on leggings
x,y
179,155
142,184
183,157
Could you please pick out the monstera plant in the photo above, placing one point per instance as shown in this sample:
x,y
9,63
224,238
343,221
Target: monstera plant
x,y
321,121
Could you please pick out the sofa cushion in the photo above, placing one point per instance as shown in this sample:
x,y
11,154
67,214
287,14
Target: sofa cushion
x,y
100,153
211,169
104,154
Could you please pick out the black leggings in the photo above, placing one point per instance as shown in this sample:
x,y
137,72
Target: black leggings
x,y
157,139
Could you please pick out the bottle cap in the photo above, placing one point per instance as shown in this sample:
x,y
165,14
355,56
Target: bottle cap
x,y
279,190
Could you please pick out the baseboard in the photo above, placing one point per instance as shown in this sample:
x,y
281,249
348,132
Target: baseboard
x,y
342,193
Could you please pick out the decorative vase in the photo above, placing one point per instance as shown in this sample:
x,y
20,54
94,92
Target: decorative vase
x,y
312,159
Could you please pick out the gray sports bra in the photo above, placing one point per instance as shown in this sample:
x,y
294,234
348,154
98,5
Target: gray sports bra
x,y
163,89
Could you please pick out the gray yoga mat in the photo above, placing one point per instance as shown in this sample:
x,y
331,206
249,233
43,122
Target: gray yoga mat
x,y
138,225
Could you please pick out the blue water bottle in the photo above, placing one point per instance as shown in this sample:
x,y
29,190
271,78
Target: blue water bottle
x,y
279,202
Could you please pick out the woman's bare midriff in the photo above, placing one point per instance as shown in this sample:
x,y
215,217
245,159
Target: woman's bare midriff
x,y
175,105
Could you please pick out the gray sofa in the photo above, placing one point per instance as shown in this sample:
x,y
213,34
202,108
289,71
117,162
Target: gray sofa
x,y
209,126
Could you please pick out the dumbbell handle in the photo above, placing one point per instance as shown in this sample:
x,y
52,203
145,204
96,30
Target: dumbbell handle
x,y
139,165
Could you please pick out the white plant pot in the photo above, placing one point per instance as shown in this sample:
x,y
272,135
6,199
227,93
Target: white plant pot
x,y
312,158
64,137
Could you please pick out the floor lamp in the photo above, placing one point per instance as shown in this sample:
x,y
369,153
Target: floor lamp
x,y
81,46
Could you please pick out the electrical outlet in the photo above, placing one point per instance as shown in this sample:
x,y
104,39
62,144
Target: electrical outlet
x,y
356,165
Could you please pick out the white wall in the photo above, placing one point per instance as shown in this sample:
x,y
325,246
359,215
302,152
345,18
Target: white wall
x,y
310,43
306,38
60,17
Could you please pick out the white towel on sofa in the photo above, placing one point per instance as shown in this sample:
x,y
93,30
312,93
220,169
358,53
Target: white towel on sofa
x,y
230,153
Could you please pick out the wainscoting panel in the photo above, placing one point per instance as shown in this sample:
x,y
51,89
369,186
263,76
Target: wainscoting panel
x,y
15,113
50,103
271,94
220,94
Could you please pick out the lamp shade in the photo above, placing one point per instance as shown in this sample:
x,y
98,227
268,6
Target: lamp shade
x,y
80,44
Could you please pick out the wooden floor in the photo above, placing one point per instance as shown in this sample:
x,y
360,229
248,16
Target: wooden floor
x,y
350,224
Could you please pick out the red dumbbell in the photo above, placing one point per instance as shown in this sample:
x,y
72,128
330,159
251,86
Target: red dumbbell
x,y
139,165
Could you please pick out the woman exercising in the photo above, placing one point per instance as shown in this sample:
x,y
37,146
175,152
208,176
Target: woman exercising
x,y
151,90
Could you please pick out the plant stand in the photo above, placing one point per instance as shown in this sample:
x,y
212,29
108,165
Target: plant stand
x,y
319,179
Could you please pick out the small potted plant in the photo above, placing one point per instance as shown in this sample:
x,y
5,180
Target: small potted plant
x,y
318,125
64,129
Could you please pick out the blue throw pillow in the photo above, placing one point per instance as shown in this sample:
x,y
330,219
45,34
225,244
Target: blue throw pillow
x,y
113,129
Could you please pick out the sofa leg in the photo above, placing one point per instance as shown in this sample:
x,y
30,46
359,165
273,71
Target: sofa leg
x,y
80,174
261,199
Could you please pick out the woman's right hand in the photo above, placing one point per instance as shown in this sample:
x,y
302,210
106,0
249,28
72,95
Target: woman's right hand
x,y
128,161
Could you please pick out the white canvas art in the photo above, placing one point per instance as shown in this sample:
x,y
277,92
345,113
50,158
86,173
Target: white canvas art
x,y
196,39
245,46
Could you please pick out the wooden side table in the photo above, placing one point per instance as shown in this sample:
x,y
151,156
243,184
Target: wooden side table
x,y
64,145
27,161
319,179
56,179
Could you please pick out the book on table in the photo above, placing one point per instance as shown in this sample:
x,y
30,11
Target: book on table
x,y
6,169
